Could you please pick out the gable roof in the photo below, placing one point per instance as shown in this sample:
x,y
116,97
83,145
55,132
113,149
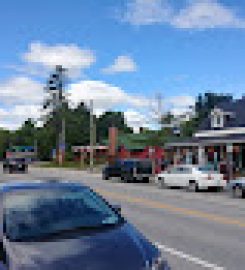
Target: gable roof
x,y
236,107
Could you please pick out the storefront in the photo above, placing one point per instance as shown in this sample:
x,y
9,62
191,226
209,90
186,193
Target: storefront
x,y
226,154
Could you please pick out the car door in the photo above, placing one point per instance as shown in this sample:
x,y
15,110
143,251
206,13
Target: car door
x,y
184,176
179,177
171,177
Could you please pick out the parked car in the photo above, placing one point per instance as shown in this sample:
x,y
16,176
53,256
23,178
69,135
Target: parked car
x,y
129,170
11,165
112,170
51,225
237,187
191,177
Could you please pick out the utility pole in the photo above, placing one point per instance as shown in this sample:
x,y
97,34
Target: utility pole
x,y
91,152
55,101
62,142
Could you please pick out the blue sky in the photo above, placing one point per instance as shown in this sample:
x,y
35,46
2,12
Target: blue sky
x,y
129,50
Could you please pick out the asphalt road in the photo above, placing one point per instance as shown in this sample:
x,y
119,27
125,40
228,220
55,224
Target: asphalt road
x,y
203,230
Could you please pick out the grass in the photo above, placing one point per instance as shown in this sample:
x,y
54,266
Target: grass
x,y
67,164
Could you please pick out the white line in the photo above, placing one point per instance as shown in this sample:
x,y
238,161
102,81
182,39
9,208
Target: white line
x,y
190,258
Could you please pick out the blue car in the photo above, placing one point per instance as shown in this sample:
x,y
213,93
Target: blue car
x,y
65,225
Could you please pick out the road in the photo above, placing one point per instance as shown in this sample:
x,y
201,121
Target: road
x,y
194,230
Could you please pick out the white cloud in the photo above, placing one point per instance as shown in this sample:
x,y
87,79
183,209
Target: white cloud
x,y
147,12
182,107
200,14
122,63
21,90
69,56
181,101
14,116
105,96
136,119
20,99
207,14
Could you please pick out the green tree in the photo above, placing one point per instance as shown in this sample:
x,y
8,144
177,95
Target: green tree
x,y
109,119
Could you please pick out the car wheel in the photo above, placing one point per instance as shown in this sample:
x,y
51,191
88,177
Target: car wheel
x,y
129,179
192,187
243,194
146,180
237,192
161,182
105,177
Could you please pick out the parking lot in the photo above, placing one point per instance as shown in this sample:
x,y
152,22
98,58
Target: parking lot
x,y
203,230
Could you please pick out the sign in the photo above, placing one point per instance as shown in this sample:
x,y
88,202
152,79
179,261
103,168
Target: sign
x,y
62,147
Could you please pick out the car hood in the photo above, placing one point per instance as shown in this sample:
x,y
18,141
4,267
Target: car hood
x,y
120,248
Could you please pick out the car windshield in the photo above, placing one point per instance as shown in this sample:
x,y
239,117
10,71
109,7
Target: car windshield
x,y
39,213
16,160
206,169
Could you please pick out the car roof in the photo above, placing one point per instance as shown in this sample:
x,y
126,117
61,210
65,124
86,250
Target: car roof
x,y
39,184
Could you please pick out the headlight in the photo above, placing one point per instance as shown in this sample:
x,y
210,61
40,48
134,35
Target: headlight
x,y
158,263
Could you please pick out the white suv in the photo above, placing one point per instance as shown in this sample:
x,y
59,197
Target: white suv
x,y
191,177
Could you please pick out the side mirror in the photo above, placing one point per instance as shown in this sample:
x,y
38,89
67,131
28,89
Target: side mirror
x,y
117,208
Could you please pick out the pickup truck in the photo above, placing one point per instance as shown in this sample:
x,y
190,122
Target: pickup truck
x,y
237,187
129,170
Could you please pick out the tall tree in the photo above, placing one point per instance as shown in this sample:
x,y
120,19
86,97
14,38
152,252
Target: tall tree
x,y
109,119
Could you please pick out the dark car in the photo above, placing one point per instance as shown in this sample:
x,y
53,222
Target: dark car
x,y
139,170
112,170
15,165
67,226
129,170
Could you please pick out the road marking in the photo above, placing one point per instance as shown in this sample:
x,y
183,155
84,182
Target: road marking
x,y
189,258
184,211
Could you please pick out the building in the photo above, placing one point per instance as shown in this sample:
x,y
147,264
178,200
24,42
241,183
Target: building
x,y
220,141
82,153
27,152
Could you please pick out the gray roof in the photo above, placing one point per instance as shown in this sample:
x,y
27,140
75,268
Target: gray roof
x,y
194,141
236,107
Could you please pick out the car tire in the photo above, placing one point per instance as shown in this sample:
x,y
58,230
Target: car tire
x,y
146,180
219,189
161,183
129,179
192,187
237,192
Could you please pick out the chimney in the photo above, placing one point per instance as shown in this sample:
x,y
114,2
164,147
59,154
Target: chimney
x,y
113,132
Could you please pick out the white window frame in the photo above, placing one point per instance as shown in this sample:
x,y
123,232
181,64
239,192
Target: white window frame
x,y
215,115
